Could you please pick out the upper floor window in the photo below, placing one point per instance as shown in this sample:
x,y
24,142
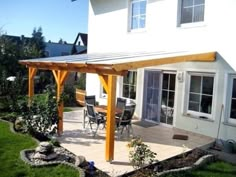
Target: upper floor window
x,y
192,11
129,85
200,94
137,14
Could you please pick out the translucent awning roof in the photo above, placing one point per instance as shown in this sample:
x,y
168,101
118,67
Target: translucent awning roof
x,y
115,63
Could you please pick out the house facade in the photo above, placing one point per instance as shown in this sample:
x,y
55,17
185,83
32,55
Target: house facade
x,y
194,96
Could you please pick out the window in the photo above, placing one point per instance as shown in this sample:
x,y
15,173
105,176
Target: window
x,y
192,11
230,104
137,14
233,101
200,96
129,85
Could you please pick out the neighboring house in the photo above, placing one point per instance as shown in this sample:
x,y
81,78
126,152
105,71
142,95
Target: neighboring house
x,y
194,96
61,49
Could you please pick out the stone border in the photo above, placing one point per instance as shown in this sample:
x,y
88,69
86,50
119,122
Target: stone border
x,y
199,163
27,161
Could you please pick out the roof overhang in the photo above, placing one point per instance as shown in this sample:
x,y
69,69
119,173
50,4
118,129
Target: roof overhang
x,y
115,63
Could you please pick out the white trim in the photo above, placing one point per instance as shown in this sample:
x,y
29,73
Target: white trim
x,y
186,90
191,24
229,77
130,2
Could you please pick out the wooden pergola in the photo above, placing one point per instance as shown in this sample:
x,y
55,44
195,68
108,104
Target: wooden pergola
x,y
108,67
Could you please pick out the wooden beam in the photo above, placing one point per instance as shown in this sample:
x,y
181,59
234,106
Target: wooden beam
x,y
110,128
32,72
84,70
104,81
60,77
202,57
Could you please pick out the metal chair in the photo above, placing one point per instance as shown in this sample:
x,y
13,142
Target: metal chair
x,y
94,118
125,121
120,104
89,99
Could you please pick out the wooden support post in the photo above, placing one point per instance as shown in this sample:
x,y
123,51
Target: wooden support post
x,y
32,72
60,77
110,129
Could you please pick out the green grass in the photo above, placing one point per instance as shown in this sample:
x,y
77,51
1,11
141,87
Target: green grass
x,y
66,109
12,166
216,169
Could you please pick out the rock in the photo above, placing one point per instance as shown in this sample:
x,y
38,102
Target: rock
x,y
51,156
38,155
45,144
45,148
19,124
79,160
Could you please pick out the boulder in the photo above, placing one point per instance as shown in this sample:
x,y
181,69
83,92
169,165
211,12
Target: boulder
x,y
80,160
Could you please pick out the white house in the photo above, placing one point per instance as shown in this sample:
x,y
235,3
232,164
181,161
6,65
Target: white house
x,y
195,96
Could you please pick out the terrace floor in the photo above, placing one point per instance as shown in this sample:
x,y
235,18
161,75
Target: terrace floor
x,y
159,138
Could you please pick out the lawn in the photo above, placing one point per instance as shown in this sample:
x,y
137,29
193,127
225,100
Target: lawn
x,y
216,169
12,166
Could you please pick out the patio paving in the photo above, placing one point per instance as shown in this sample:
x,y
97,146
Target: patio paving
x,y
81,142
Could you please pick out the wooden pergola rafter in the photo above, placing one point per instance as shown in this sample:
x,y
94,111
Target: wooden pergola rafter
x,y
108,68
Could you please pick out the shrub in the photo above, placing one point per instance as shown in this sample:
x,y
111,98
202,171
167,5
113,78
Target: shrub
x,y
41,118
140,154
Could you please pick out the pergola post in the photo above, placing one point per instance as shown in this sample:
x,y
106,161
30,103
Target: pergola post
x,y
109,84
60,77
32,72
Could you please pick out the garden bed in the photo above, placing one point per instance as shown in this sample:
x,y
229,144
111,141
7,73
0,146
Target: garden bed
x,y
187,161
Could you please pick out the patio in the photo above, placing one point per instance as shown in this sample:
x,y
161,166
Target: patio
x,y
159,138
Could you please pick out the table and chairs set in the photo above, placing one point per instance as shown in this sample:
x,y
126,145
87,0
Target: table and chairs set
x,y
95,115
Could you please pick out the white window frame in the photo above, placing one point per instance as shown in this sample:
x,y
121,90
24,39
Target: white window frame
x,y
228,97
190,24
122,84
130,16
196,114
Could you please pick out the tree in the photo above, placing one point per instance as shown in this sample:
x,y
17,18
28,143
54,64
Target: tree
x,y
37,44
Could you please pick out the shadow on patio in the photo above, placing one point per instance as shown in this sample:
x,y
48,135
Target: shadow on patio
x,y
81,142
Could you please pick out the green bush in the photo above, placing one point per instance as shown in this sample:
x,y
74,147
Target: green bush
x,y
41,117
69,97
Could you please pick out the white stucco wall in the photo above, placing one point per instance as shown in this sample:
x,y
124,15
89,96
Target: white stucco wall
x,y
108,32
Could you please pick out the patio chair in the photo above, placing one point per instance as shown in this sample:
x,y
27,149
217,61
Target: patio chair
x,y
94,118
125,121
120,104
89,99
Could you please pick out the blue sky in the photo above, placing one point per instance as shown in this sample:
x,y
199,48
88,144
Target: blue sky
x,y
58,18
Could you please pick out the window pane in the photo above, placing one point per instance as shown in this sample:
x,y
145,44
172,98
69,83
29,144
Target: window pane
x,y
234,89
143,7
206,104
164,98
195,84
187,3
196,2
187,14
207,85
142,21
233,109
171,99
194,98
193,106
134,24
198,14
165,81
135,9
172,82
